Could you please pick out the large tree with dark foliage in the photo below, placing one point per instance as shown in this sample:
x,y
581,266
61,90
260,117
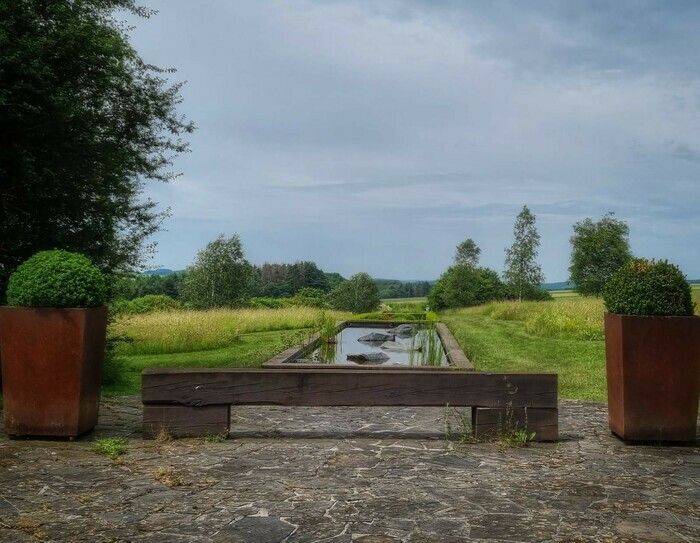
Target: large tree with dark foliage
x,y
84,121
279,280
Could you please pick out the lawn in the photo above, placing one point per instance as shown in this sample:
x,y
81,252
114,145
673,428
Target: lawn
x,y
563,336
558,337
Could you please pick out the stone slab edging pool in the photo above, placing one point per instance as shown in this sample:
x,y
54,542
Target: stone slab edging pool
x,y
454,353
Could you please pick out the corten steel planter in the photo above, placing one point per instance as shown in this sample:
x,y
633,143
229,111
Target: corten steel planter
x,y
51,369
653,374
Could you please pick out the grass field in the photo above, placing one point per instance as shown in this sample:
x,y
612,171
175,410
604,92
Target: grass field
x,y
246,350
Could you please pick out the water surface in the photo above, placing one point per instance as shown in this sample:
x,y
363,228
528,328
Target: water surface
x,y
430,353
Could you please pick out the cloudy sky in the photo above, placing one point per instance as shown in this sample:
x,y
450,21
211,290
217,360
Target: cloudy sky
x,y
374,136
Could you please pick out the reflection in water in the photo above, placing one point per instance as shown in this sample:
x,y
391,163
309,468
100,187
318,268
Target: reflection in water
x,y
420,348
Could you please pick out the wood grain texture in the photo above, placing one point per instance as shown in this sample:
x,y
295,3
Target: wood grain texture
x,y
185,421
332,387
492,422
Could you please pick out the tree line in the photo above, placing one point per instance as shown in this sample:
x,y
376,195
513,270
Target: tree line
x,y
221,276
598,249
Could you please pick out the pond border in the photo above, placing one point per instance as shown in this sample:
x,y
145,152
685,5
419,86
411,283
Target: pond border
x,y
455,355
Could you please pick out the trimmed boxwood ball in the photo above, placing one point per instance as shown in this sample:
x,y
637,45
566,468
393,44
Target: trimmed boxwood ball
x,y
648,287
57,279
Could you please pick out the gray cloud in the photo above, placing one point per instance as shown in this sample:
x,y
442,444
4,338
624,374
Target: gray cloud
x,y
375,136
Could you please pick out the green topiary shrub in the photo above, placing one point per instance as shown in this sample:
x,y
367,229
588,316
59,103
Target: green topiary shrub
x,y
648,287
57,279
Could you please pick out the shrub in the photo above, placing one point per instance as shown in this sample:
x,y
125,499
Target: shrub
x,y
644,287
310,297
464,286
267,302
145,304
358,294
57,279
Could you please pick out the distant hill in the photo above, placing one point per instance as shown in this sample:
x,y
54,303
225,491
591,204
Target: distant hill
x,y
561,285
159,271
568,285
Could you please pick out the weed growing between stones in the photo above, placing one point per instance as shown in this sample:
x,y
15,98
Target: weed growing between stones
x,y
31,527
458,426
215,438
112,447
169,476
516,438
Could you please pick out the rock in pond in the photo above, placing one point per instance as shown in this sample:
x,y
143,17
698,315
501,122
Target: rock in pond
x,y
397,347
376,337
404,330
373,358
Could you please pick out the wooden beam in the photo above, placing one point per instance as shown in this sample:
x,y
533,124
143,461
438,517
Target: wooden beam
x,y
185,421
329,387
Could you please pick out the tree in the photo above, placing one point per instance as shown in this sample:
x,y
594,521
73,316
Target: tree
x,y
598,250
467,253
84,123
306,275
221,276
333,279
465,286
128,287
280,280
522,270
358,294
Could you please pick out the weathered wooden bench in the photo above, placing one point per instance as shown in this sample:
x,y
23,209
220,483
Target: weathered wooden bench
x,y
191,402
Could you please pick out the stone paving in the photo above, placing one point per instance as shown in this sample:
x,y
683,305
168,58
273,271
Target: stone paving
x,y
361,475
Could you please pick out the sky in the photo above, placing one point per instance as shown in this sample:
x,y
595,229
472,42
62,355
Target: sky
x,y
375,136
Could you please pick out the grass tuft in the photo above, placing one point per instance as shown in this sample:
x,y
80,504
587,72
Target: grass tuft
x,y
111,446
516,438
169,476
215,438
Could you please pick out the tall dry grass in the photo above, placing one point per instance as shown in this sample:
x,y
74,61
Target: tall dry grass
x,y
190,330
576,318
571,317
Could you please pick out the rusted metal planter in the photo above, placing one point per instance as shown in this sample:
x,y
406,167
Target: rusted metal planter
x,y
653,374
51,369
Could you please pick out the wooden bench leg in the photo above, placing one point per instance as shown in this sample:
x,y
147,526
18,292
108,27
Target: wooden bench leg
x,y
490,422
186,421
